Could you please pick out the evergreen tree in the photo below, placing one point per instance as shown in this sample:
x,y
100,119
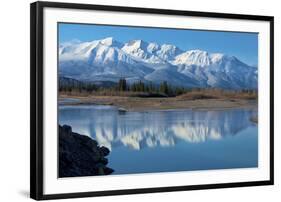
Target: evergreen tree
x,y
164,88
122,85
151,87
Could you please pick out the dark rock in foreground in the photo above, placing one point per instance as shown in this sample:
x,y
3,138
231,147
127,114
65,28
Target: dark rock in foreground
x,y
79,155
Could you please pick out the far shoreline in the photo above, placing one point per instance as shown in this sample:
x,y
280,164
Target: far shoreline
x,y
157,104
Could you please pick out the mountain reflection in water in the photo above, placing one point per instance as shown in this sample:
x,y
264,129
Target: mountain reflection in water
x,y
138,130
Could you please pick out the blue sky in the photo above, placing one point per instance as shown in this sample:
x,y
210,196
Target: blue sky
x,y
242,45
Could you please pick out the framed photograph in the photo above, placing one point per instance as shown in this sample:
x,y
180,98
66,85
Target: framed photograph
x,y
136,100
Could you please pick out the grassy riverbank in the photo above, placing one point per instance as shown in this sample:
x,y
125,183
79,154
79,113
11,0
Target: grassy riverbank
x,y
192,100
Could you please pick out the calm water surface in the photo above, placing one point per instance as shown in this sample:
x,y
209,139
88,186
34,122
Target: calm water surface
x,y
166,141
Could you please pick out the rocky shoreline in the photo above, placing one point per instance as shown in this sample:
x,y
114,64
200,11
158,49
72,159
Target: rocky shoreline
x,y
79,155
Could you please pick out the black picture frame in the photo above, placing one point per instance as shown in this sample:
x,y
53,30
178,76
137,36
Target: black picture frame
x,y
36,98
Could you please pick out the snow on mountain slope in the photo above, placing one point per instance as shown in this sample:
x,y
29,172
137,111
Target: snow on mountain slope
x,y
171,76
143,51
218,70
81,51
193,57
97,59
151,52
110,60
109,41
168,52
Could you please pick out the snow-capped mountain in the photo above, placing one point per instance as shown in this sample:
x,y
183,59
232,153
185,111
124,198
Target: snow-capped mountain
x,y
110,60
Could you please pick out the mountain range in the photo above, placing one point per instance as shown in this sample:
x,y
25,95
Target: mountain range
x,y
109,60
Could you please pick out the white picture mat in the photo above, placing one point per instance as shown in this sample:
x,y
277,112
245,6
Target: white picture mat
x,y
53,185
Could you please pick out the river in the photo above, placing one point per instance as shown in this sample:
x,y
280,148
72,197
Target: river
x,y
170,140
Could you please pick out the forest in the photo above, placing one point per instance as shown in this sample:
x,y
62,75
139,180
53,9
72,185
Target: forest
x,y
142,89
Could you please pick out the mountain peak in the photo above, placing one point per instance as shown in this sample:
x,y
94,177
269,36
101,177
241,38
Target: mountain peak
x,y
168,46
152,47
135,44
168,52
109,41
194,57
197,51
219,57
